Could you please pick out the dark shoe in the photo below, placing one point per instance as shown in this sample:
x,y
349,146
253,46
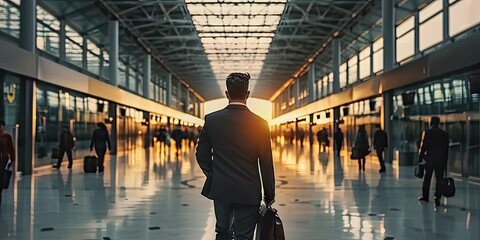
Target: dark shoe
x,y
381,170
422,199
69,166
56,166
437,202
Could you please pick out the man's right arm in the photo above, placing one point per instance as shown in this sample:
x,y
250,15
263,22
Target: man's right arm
x,y
266,165
204,152
423,145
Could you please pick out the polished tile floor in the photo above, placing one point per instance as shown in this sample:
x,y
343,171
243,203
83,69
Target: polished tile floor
x,y
156,195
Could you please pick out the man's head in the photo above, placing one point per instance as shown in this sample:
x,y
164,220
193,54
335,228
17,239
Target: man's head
x,y
434,121
237,87
378,126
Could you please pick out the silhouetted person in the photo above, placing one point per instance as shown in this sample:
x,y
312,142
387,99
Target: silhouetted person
x,y
7,151
322,137
65,146
434,150
232,146
100,140
177,135
291,135
380,143
362,146
338,139
301,136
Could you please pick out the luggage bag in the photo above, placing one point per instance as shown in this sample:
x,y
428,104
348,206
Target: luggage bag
x,y
90,164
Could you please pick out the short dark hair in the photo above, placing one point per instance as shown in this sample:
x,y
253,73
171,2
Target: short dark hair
x,y
435,121
2,123
237,85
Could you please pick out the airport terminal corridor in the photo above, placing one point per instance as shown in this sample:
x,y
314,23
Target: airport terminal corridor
x,y
155,194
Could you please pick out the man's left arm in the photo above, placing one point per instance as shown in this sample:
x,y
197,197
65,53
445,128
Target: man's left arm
x,y
266,165
204,152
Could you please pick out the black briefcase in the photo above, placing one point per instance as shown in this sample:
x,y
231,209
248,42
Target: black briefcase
x,y
447,187
419,170
270,226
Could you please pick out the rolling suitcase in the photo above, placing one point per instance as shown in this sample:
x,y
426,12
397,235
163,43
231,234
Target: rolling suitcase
x,y
90,164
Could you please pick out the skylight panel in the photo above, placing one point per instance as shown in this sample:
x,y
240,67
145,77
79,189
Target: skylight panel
x,y
236,34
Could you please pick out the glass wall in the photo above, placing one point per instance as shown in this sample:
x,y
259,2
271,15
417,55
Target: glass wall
x,y
48,33
12,107
131,128
366,112
458,109
58,107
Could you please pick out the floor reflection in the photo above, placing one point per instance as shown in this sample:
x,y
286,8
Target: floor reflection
x,y
319,197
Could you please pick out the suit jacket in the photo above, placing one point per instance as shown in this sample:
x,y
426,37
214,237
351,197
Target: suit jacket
x,y
380,140
233,143
66,140
100,139
434,147
361,143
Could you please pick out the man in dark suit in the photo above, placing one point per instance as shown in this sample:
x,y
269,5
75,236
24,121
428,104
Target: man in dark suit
x,y
380,143
434,150
66,145
233,143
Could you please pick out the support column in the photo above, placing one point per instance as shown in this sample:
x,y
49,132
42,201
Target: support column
x,y
28,30
446,20
297,92
85,53
311,83
62,40
169,90
114,51
112,112
386,112
416,33
187,101
336,65
371,60
147,75
336,78
28,26
179,95
148,136
27,129
388,15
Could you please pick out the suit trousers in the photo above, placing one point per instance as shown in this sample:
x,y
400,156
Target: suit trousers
x,y
101,158
62,153
235,221
439,174
380,158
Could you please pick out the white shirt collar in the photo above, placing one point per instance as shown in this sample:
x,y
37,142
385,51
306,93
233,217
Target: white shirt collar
x,y
238,103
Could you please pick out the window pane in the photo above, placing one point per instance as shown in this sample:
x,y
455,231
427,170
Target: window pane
x,y
466,16
378,61
431,32
405,26
365,68
405,46
378,44
430,10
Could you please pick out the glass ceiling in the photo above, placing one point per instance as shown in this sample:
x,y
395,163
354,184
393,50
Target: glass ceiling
x,y
236,34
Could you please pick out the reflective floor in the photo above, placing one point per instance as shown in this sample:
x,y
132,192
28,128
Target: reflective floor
x,y
156,195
